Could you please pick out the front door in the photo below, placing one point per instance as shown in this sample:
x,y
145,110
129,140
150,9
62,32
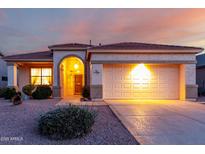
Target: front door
x,y
78,84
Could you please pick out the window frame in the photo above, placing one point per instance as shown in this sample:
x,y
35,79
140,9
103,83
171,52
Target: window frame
x,y
41,75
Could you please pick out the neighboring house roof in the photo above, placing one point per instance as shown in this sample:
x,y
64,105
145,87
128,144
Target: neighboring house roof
x,y
200,60
142,46
73,46
36,56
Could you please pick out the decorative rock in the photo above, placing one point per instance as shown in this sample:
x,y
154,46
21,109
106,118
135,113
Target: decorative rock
x,y
16,100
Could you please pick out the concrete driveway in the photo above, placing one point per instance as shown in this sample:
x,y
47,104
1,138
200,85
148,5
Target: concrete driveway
x,y
162,122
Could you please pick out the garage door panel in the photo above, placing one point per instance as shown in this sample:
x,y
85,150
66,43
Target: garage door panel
x,y
119,83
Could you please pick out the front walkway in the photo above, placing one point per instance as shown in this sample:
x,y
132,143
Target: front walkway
x,y
75,100
162,122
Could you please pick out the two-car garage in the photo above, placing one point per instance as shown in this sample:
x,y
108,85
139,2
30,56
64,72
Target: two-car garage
x,y
141,81
131,70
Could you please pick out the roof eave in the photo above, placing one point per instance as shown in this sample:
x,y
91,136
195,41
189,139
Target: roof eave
x,y
71,49
160,51
27,60
200,66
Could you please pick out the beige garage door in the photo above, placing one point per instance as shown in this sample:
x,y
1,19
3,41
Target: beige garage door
x,y
139,81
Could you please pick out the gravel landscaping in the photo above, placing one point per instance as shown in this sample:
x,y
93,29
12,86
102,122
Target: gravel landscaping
x,y
18,125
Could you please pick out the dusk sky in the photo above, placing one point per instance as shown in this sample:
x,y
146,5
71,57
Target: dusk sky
x,y
29,30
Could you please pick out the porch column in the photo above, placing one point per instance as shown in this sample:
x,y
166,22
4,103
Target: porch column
x,y
12,75
191,86
96,87
56,86
182,82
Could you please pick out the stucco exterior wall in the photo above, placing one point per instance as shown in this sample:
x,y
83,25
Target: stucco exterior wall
x,y
187,69
190,71
143,57
3,72
97,74
23,76
58,56
96,81
182,82
191,86
12,75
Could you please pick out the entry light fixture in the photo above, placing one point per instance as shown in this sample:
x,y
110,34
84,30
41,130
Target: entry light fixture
x,y
76,66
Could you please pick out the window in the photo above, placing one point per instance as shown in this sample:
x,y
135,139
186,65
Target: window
x,y
4,78
41,76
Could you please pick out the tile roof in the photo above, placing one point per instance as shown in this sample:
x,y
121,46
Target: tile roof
x,y
43,55
142,46
131,46
70,46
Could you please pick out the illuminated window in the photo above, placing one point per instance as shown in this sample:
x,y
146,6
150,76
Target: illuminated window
x,y
41,76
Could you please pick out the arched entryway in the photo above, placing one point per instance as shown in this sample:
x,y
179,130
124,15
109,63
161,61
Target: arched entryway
x,y
72,76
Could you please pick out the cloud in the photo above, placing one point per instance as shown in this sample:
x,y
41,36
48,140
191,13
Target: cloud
x,y
12,39
168,26
143,25
163,25
2,17
2,14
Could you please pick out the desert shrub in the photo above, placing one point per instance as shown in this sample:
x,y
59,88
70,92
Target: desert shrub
x,y
17,99
86,92
9,93
66,123
42,92
28,89
2,92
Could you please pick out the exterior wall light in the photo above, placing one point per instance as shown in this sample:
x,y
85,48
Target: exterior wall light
x,y
140,74
76,66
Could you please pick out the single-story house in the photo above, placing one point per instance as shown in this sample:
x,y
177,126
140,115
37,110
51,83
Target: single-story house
x,y
200,70
127,70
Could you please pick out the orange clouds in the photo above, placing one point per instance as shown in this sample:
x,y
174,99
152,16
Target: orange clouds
x,y
46,27
143,25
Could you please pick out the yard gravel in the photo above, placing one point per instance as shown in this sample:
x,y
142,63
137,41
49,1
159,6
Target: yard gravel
x,y
18,125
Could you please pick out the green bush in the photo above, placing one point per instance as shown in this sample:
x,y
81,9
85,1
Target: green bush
x,y
9,93
42,92
2,92
66,123
86,92
28,89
